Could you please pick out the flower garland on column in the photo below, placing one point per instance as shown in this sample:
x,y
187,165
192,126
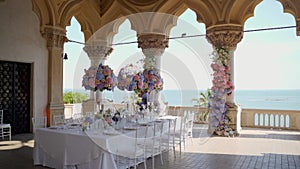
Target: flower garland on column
x,y
222,85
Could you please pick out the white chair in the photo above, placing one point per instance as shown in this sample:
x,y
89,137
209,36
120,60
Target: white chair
x,y
5,129
58,120
153,144
179,136
189,125
39,122
77,118
168,138
131,151
186,128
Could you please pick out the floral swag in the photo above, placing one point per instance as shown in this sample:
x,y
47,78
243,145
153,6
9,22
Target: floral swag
x,y
222,86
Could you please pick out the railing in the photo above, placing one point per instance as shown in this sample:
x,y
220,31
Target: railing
x,y
281,119
257,118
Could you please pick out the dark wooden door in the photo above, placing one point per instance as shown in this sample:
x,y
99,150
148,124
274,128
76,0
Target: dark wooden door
x,y
15,81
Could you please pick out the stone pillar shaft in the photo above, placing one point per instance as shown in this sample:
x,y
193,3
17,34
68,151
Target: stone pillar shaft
x,y
153,46
230,98
227,37
97,54
55,37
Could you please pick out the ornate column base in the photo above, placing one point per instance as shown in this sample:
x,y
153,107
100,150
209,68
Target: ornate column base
x,y
234,113
54,109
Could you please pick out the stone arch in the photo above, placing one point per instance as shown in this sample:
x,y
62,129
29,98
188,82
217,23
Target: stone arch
x,y
67,10
293,8
242,11
43,11
152,23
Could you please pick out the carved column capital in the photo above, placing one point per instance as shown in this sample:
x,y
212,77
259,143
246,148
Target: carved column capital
x,y
55,37
97,53
153,46
227,36
158,41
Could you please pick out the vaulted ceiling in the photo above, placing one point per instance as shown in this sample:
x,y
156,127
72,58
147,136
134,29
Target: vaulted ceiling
x,y
94,14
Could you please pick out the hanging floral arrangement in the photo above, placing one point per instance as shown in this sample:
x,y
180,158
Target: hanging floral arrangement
x,y
153,80
137,84
125,76
222,85
105,78
88,79
143,83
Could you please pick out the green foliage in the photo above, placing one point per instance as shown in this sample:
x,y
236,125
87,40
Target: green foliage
x,y
76,97
203,100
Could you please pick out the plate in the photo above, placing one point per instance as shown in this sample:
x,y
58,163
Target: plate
x,y
129,128
110,132
56,127
74,124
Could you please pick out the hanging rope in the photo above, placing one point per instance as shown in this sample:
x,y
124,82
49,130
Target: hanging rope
x,y
183,36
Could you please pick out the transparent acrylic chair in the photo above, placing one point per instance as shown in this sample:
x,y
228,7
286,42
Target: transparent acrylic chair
x,y
39,122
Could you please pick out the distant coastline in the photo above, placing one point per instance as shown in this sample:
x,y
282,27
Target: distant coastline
x,y
260,99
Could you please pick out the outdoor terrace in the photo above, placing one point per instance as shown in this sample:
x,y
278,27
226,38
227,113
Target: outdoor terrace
x,y
265,145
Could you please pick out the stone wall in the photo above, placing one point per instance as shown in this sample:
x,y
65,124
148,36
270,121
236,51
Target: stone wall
x,y
21,41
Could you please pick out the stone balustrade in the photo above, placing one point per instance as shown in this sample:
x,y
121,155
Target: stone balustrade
x,y
256,118
262,118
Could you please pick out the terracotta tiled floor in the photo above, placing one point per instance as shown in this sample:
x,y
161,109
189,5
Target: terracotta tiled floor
x,y
253,149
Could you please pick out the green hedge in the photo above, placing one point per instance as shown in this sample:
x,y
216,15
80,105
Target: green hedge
x,y
76,97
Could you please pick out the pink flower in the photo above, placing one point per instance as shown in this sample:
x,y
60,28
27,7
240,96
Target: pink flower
x,y
106,72
109,80
214,66
91,83
136,78
140,84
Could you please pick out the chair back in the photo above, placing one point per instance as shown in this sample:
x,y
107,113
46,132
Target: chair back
x,y
59,120
1,116
5,129
39,122
189,123
77,118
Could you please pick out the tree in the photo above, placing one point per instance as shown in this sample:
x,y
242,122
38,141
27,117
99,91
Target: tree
x,y
203,101
76,97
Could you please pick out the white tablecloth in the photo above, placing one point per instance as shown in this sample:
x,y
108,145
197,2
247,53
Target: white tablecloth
x,y
72,148
58,148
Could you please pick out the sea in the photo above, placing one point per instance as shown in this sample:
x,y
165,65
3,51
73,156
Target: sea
x,y
254,99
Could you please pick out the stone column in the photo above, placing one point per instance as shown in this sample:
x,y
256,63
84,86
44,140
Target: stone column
x,y
55,37
153,46
97,53
298,27
228,36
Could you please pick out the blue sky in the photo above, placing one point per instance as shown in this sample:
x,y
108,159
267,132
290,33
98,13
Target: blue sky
x,y
263,60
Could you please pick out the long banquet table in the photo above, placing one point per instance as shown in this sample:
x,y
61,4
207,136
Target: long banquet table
x,y
67,148
60,148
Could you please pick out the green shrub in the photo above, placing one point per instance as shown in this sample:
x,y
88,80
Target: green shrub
x,y
76,97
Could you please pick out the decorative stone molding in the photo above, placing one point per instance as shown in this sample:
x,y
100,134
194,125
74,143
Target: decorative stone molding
x,y
156,41
225,36
97,53
55,37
